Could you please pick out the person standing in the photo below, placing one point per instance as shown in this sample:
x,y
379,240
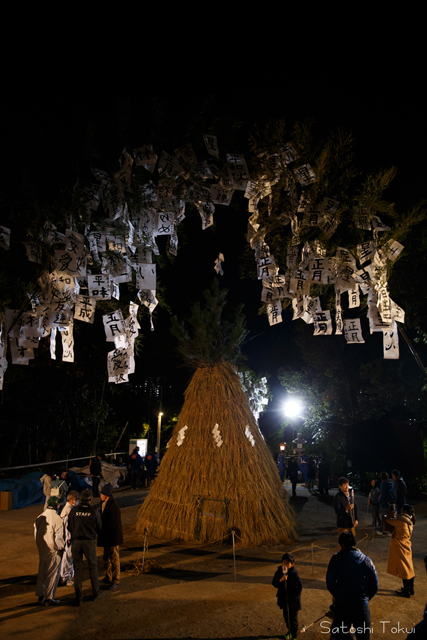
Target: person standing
x,y
49,536
134,465
67,569
111,536
293,474
400,551
373,500
151,463
311,474
59,489
352,580
399,488
289,588
95,467
386,497
281,466
345,508
84,524
46,481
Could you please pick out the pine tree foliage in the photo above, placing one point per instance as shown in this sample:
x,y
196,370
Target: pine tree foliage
x,y
337,177
210,336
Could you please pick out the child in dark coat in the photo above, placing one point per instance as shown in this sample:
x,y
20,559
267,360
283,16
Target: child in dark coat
x,y
289,587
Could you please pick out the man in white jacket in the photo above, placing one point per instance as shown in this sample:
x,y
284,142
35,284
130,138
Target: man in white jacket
x,y
46,481
49,536
67,568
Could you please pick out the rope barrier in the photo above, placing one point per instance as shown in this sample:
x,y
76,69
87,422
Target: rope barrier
x,y
234,556
136,567
139,567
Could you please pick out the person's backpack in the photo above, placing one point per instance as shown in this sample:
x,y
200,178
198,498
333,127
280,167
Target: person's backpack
x,y
57,489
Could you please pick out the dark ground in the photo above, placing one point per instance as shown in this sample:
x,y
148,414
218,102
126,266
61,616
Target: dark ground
x,y
195,593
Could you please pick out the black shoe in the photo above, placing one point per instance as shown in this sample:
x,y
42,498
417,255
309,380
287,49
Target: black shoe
x,y
106,580
112,586
403,593
97,595
40,601
51,603
77,602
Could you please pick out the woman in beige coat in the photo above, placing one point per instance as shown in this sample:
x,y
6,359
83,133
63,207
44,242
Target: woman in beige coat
x,y
400,551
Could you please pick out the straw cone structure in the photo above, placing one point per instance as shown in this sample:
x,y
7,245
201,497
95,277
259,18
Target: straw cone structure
x,y
203,491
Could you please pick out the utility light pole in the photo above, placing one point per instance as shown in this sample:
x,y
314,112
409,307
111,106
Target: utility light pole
x,y
159,428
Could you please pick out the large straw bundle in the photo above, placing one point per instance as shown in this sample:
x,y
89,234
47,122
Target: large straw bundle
x,y
203,490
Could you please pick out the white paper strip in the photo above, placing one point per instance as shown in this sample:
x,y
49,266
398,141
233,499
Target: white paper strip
x,y
353,331
217,435
274,311
249,435
391,343
181,436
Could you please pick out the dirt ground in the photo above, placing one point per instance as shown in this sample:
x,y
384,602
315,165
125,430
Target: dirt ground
x,y
195,593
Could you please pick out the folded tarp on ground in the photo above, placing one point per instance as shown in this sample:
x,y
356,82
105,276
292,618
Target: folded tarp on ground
x,y
110,473
26,490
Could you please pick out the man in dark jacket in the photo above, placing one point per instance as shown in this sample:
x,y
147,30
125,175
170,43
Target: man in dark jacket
x,y
293,474
352,579
135,464
399,490
84,523
95,467
345,508
111,536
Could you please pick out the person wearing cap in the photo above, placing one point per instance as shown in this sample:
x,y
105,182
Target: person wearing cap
x,y
84,524
111,536
49,536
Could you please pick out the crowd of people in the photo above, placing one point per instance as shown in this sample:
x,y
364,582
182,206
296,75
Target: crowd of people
x,y
70,528
296,467
67,536
351,576
141,472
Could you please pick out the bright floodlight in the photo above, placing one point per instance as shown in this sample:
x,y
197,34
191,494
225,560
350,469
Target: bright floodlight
x,y
293,408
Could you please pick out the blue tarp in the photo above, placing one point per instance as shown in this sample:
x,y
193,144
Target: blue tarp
x,y
27,490
77,483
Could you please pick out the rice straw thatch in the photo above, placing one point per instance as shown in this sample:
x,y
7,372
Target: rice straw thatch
x,y
203,491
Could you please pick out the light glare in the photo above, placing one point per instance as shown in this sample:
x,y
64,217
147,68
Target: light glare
x,y
293,408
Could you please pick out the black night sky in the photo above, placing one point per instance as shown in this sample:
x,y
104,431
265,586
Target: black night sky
x,y
58,123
